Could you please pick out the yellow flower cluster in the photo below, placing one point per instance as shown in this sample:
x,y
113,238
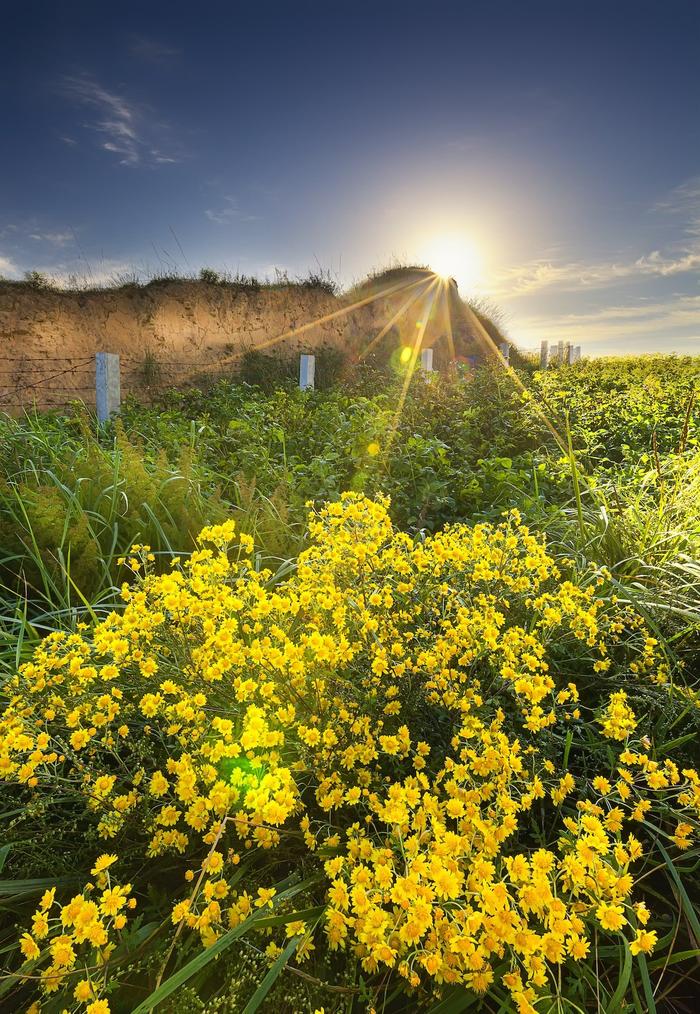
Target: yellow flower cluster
x,y
397,703
618,719
66,939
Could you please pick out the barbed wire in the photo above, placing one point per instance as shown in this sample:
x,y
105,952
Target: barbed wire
x,y
41,359
54,376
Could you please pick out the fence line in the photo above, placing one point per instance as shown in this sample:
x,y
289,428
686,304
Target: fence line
x,y
109,369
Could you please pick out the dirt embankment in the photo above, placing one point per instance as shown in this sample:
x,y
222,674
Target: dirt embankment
x,y
175,329
49,338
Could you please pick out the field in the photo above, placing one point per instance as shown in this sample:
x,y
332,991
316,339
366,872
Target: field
x,y
382,697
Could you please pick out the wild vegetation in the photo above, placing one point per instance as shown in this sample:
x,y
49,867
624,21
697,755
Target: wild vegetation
x,y
329,701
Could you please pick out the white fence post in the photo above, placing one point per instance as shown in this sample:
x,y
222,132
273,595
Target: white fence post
x,y
426,360
107,385
504,348
307,372
544,354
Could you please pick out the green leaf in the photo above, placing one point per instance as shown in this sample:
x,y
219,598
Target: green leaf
x,y
307,914
272,976
688,909
646,984
623,982
673,959
202,959
9,888
673,743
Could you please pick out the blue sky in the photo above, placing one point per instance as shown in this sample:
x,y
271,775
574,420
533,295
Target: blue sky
x,y
554,146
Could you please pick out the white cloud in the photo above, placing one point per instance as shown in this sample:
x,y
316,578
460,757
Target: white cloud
x,y
571,276
81,274
229,213
683,198
8,269
152,51
54,238
681,258
131,134
662,325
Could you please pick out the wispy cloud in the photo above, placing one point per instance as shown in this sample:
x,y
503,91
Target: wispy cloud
x,y
128,130
684,200
672,323
229,213
83,274
683,257
152,50
681,198
54,238
571,276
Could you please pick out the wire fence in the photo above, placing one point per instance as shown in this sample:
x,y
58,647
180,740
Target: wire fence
x,y
46,382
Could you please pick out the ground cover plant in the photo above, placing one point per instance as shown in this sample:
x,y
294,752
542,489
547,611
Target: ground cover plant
x,y
310,704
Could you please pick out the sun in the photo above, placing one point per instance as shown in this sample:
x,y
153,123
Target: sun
x,y
453,256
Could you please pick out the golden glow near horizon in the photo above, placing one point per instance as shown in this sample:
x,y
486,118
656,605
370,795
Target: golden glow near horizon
x,y
453,255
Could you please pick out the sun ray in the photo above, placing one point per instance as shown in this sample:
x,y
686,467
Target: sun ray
x,y
447,315
411,366
397,316
492,348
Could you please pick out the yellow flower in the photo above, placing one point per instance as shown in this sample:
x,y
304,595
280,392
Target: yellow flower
x,y
98,1007
611,917
83,991
28,947
159,784
62,951
79,739
644,942
47,899
102,863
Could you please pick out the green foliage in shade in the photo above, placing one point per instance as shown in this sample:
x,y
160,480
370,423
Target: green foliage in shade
x,y
67,517
224,942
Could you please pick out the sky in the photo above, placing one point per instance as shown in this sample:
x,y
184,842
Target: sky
x,y
546,154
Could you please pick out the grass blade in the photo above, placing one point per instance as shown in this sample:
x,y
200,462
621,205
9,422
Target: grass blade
x,y
272,976
204,957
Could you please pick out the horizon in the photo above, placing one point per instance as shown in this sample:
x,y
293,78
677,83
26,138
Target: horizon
x,y
548,157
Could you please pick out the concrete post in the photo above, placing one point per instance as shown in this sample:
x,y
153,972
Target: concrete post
x,y
307,372
577,353
568,353
426,360
544,354
504,348
560,353
107,385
